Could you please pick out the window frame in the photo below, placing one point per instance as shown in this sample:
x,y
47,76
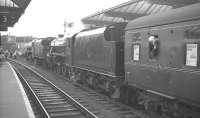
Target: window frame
x,y
153,57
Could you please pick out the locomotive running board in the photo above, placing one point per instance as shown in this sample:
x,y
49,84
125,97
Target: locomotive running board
x,y
161,94
106,74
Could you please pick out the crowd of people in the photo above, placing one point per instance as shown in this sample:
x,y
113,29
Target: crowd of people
x,y
4,54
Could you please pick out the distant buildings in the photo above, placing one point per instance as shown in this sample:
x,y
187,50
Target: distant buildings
x,y
13,43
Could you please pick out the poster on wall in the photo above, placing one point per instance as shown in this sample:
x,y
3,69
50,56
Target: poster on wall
x,y
191,54
136,52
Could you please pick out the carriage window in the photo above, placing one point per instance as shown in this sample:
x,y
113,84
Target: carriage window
x,y
136,52
153,46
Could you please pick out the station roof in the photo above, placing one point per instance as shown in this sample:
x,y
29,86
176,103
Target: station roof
x,y
10,12
133,9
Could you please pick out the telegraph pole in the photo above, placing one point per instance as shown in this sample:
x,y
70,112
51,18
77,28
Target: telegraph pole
x,y
65,25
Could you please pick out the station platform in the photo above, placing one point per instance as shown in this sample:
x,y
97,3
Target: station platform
x,y
13,100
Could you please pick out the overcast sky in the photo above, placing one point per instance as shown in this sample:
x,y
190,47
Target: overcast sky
x,y
46,17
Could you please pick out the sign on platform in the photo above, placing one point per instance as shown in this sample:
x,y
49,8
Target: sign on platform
x,y
3,19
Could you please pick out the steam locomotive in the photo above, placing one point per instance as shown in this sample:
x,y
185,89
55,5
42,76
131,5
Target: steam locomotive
x,y
151,62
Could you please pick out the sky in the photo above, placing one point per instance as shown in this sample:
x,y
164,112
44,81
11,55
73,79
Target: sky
x,y
44,18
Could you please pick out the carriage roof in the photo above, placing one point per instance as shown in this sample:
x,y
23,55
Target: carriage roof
x,y
187,13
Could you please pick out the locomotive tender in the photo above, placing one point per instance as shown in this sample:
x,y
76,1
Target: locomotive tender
x,y
153,61
98,57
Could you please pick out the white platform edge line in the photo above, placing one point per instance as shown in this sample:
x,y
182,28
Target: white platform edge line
x,y
27,102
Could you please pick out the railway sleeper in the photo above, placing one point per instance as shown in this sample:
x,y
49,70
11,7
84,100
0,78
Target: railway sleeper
x,y
70,115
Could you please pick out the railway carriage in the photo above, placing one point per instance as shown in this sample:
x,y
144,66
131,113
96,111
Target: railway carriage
x,y
162,60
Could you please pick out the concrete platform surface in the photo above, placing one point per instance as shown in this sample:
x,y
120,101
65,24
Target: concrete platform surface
x,y
13,100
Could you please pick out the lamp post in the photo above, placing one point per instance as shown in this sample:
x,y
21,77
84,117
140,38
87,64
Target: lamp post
x,y
67,25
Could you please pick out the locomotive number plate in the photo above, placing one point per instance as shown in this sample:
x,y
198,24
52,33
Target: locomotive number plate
x,y
191,54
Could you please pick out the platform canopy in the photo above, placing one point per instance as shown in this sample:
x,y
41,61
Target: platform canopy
x,y
10,12
132,10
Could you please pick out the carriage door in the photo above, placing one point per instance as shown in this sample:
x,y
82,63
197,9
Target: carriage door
x,y
153,52
136,47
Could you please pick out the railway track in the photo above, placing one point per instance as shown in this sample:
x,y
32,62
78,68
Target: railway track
x,y
122,110
84,94
51,101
